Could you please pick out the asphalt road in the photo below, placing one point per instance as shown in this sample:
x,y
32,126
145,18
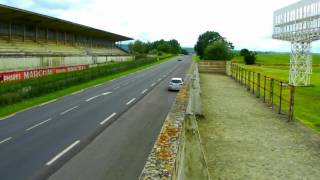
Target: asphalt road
x,y
126,114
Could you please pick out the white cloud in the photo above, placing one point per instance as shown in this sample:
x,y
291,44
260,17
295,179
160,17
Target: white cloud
x,y
246,23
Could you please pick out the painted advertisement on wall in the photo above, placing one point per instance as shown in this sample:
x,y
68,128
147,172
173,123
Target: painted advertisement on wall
x,y
35,73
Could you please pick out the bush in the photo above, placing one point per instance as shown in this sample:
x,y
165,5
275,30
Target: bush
x,y
250,58
218,50
244,52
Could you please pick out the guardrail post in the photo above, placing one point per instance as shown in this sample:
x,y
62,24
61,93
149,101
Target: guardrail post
x,y
258,86
280,97
291,103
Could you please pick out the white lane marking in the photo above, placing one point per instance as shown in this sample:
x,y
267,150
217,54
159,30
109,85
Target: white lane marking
x,y
144,91
92,98
153,84
106,93
97,85
131,101
108,118
8,139
159,80
117,88
77,92
62,153
39,124
45,103
65,112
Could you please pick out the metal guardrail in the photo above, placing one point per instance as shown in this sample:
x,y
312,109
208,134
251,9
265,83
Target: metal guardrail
x,y
279,94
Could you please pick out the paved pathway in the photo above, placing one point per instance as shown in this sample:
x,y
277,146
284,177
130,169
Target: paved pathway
x,y
244,139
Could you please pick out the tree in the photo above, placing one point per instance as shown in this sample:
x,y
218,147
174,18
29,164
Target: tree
x,y
250,58
184,51
244,52
218,50
138,47
207,38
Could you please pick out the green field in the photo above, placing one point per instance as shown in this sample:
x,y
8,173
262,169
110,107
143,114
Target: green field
x,y
307,99
279,58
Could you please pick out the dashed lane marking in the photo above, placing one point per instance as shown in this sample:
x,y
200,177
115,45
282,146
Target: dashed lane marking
x,y
108,118
62,153
5,140
65,112
131,101
39,124
144,91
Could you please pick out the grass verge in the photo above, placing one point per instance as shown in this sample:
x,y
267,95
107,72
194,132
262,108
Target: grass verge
x,y
10,109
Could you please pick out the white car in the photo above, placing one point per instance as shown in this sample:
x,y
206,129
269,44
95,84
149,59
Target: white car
x,y
175,84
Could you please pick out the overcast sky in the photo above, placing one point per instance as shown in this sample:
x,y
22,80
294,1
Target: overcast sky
x,y
246,23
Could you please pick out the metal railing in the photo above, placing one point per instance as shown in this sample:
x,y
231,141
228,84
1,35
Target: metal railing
x,y
277,93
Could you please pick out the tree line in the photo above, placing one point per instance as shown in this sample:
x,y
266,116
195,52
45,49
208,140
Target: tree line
x,y
157,47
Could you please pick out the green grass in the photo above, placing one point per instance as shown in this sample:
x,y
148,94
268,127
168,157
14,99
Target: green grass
x,y
278,58
307,99
7,110
195,58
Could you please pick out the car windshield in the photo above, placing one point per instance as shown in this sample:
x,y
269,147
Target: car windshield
x,y
176,81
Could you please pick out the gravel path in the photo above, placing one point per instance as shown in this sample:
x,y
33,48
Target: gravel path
x,y
244,139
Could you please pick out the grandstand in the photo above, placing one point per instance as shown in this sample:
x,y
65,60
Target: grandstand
x,y
30,40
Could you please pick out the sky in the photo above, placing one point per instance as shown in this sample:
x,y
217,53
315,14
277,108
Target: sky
x,y
246,23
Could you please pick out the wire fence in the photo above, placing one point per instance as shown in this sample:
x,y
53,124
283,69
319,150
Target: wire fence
x,y
277,93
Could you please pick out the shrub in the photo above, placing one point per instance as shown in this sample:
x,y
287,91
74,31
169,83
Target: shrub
x,y
250,58
218,50
244,52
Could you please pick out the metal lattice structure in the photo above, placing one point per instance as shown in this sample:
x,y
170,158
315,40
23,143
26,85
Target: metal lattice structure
x,y
299,24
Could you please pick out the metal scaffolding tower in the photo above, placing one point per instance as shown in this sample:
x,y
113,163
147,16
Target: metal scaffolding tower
x,y
299,24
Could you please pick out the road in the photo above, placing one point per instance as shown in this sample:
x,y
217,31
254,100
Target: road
x,y
36,143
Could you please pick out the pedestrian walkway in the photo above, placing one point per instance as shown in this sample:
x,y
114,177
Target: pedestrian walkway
x,y
244,139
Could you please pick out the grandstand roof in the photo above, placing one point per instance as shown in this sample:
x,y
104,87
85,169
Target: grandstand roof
x,y
16,15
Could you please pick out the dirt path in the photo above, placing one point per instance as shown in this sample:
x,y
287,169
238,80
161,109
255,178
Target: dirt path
x,y
243,139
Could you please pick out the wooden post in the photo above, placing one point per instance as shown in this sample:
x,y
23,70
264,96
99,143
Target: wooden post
x,y
271,91
291,103
249,83
280,98
258,86
245,78
253,82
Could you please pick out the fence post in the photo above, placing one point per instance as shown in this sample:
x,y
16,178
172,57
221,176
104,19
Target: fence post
x,y
245,78
291,104
271,91
264,89
280,98
258,86
253,73
249,83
